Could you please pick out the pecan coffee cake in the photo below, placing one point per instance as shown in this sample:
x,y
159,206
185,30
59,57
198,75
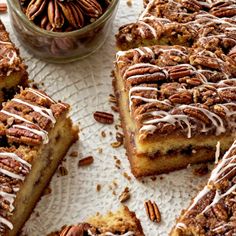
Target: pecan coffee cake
x,y
212,212
120,223
175,103
182,22
12,69
36,133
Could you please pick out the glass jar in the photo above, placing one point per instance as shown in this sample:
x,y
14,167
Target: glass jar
x,y
61,47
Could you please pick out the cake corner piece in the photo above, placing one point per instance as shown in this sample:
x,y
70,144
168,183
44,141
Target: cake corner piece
x,y
13,73
36,133
212,211
122,222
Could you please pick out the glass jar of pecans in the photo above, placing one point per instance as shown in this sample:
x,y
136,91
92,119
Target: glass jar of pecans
x,y
62,31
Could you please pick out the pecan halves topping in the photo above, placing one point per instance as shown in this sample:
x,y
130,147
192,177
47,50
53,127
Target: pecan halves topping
x,y
191,5
35,8
223,9
177,72
55,17
90,8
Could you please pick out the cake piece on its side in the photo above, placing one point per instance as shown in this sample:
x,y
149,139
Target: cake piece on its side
x,y
175,104
120,223
12,69
36,133
213,211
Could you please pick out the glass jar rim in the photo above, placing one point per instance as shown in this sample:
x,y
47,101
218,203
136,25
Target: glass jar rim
x,y
15,5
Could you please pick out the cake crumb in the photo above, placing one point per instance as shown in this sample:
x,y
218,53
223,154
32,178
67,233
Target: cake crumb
x,y
86,161
201,171
125,195
103,134
99,150
98,187
114,192
129,3
74,154
112,98
63,171
126,176
47,191
115,108
153,178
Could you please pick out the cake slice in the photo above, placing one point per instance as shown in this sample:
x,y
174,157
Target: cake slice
x,y
120,223
175,104
213,211
36,133
181,22
12,69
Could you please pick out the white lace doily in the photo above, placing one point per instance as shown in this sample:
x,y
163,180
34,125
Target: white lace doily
x,y
86,85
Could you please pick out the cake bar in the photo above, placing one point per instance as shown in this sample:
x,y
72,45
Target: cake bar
x,y
36,133
12,69
213,211
120,223
182,22
175,104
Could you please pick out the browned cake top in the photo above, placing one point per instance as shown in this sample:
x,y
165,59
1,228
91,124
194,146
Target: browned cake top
x,y
27,118
208,24
24,122
179,89
10,60
213,211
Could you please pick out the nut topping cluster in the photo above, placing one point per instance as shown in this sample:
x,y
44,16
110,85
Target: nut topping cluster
x,y
63,15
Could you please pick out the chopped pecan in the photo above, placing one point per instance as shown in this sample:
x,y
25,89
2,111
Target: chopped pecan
x,y
220,212
103,117
152,211
125,195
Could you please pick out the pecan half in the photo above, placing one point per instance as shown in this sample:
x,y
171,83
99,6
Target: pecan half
x,y
91,8
86,161
220,212
72,13
103,117
191,5
177,72
232,53
54,15
35,8
152,211
223,9
181,98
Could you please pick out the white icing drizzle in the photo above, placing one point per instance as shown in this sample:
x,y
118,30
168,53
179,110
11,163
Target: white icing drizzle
x,y
11,174
217,153
10,198
152,29
181,226
40,94
15,116
3,42
167,118
41,110
42,133
129,233
6,222
15,157
226,163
